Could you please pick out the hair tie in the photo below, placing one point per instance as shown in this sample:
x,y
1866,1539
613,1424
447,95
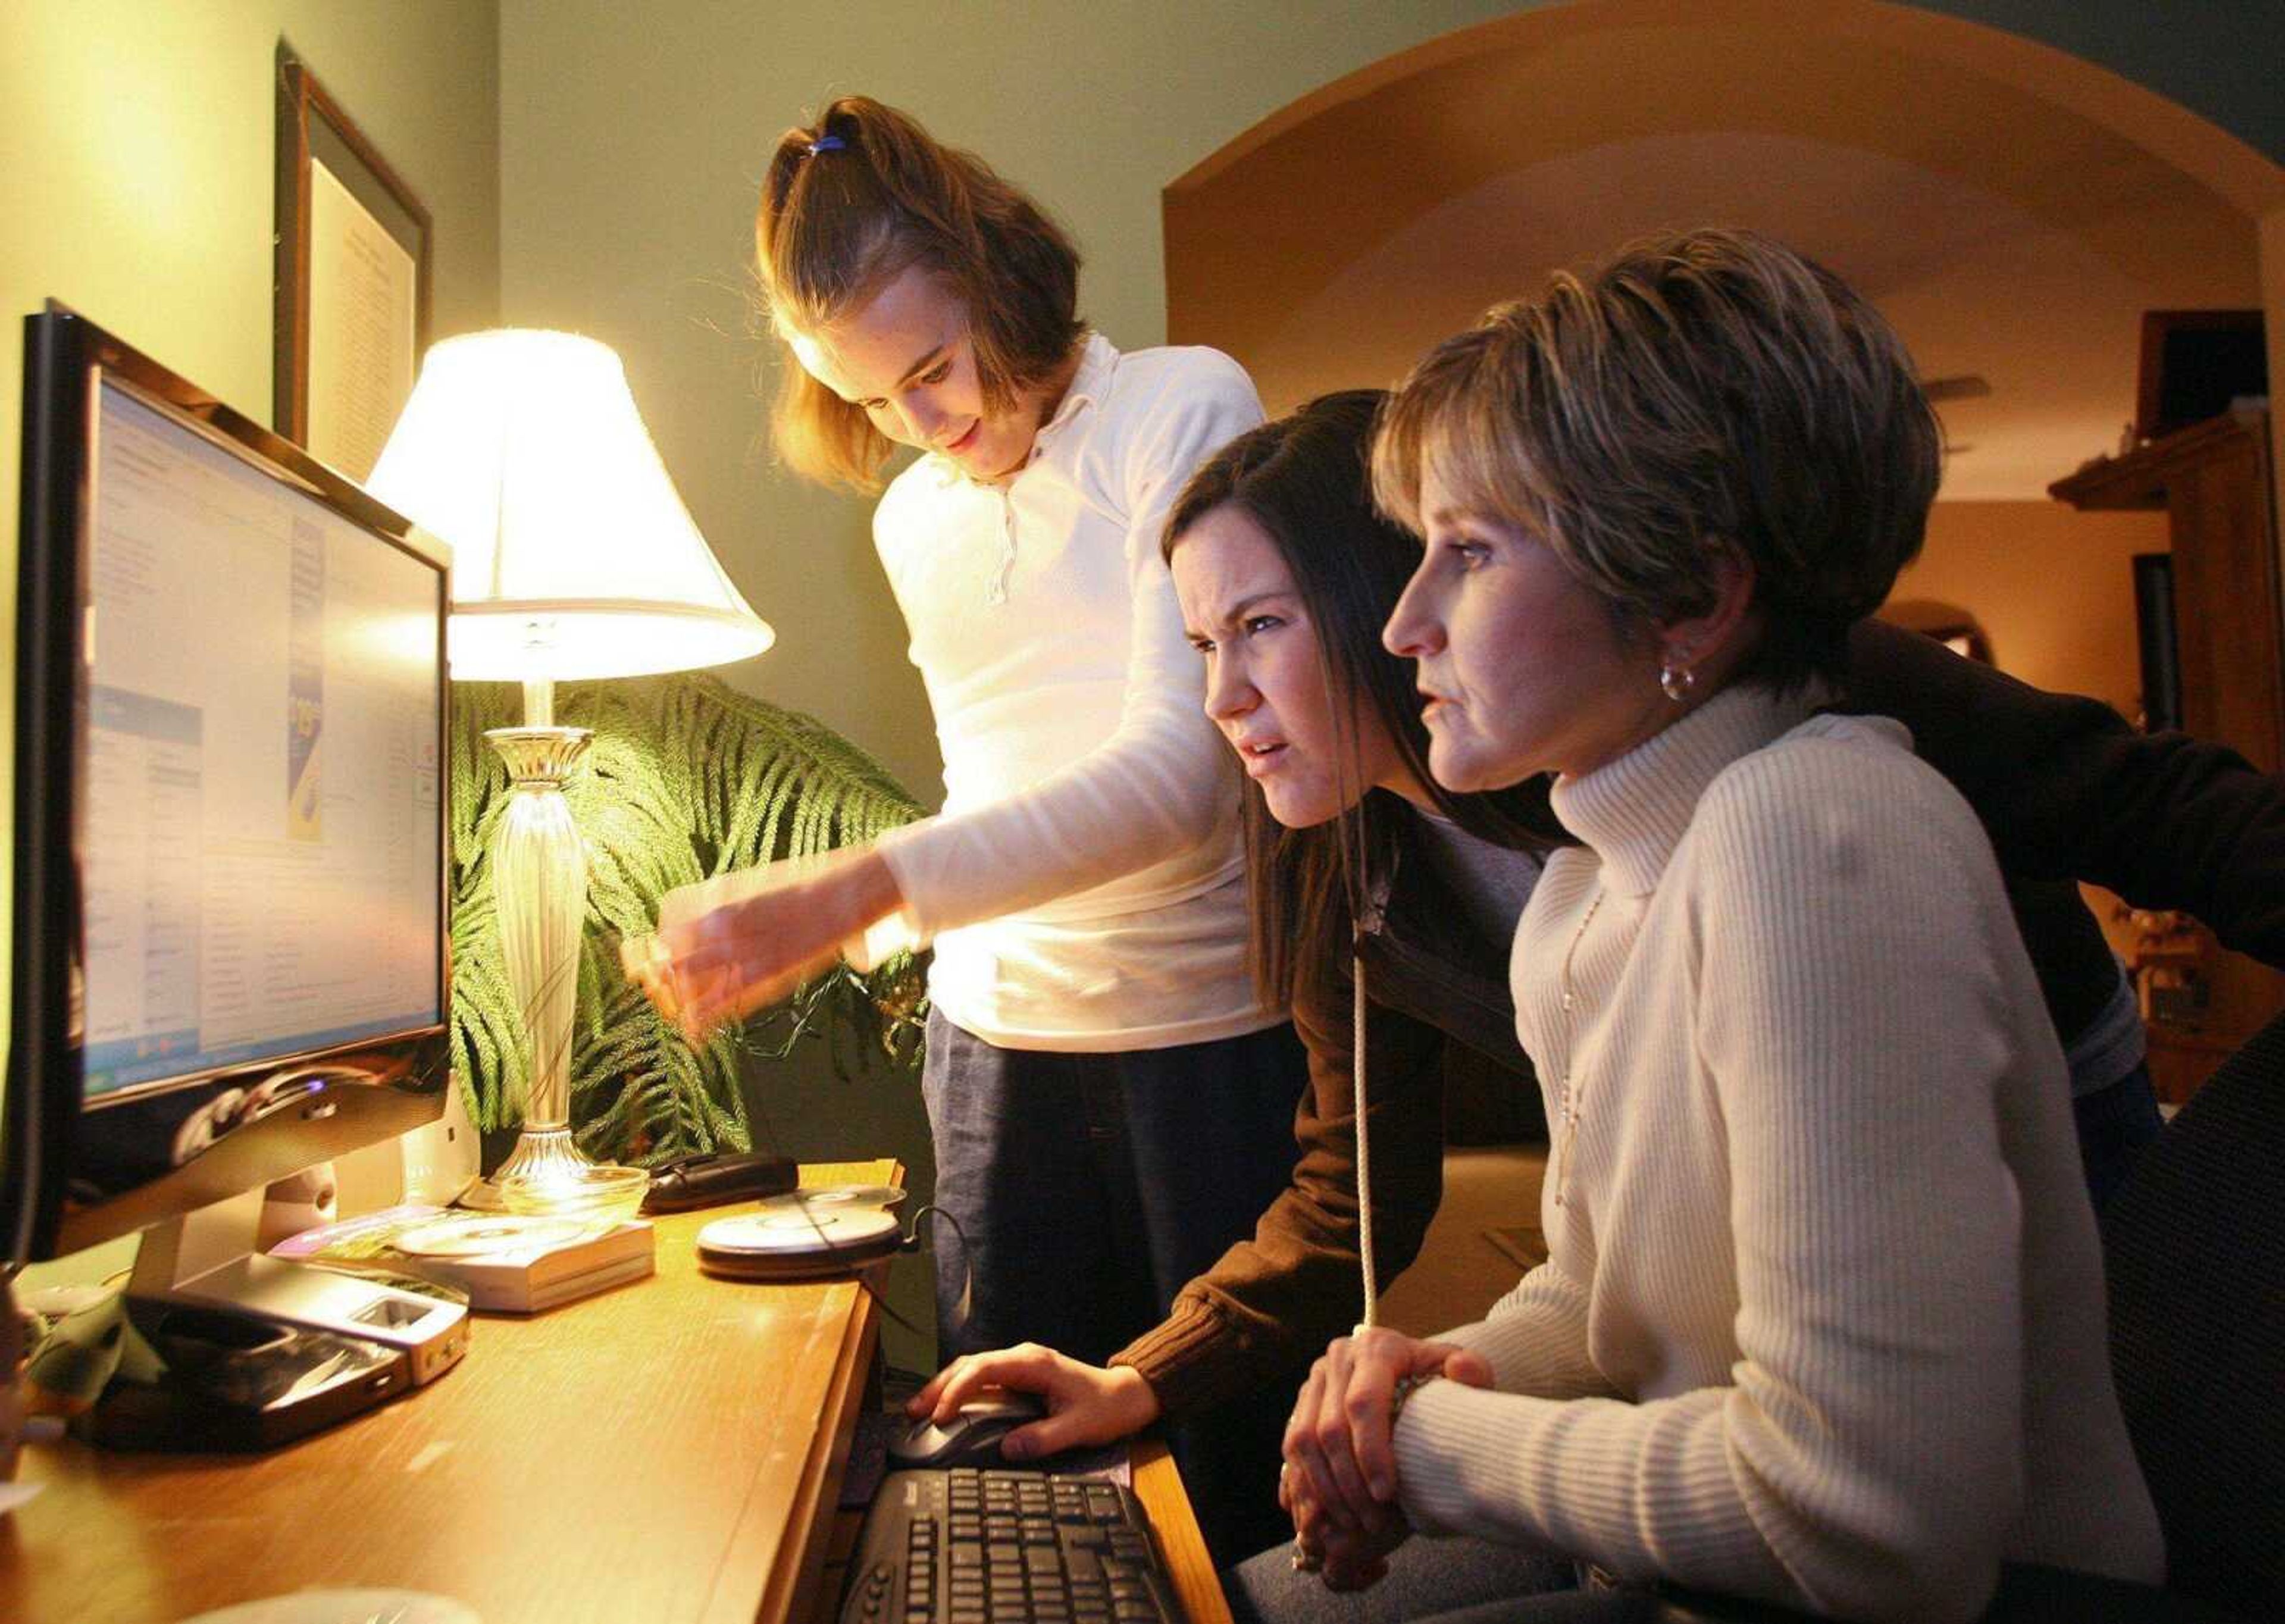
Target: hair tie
x,y
827,144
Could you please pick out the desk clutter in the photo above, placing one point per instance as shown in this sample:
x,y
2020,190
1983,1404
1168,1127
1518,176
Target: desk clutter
x,y
505,1264
192,1374
174,1376
747,1444
808,1234
188,1375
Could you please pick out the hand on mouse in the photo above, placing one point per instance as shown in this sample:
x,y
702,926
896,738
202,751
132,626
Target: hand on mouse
x,y
1087,1405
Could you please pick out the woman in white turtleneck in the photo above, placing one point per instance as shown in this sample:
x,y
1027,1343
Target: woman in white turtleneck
x,y
1822,1321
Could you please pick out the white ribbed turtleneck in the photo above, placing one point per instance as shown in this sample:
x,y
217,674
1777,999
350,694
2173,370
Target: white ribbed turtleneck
x,y
1822,1256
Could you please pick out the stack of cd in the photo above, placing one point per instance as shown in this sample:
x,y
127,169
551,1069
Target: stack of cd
x,y
805,1233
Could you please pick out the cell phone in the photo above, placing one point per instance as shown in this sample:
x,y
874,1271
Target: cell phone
x,y
709,1178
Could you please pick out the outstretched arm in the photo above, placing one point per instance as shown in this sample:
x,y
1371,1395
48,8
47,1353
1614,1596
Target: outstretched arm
x,y
1161,783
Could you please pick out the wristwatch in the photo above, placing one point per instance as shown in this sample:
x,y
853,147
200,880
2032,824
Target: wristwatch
x,y
1406,1387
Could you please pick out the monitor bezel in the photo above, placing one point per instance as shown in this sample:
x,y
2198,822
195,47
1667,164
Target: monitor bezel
x,y
323,1101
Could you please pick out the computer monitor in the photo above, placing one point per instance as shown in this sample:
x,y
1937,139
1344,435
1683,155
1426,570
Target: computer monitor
x,y
231,921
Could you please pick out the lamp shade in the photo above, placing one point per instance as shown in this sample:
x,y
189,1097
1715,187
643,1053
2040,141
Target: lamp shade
x,y
572,556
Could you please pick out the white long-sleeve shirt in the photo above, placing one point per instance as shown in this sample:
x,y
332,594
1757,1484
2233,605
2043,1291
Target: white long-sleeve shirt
x,y
1084,885
1822,1317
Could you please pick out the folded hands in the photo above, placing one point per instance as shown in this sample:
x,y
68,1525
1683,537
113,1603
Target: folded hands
x,y
1340,1482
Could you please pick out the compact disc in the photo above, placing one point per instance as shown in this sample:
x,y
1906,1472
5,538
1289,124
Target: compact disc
x,y
793,1228
790,1242
830,1195
473,1235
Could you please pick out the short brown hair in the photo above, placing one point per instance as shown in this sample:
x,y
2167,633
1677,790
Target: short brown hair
x,y
851,202
1704,389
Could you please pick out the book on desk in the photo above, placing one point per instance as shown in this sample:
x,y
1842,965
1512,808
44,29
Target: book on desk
x,y
505,1263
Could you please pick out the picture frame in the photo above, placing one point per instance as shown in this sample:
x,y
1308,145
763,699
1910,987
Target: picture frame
x,y
352,279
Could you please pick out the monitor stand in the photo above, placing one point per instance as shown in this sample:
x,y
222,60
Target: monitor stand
x,y
207,1260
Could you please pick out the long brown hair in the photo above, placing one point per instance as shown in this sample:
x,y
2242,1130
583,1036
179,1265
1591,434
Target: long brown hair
x,y
855,200
1303,482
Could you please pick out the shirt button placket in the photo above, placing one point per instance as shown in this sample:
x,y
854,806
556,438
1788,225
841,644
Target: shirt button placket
x,y
999,593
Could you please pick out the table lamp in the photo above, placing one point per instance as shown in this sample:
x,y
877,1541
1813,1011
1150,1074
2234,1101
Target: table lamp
x,y
572,557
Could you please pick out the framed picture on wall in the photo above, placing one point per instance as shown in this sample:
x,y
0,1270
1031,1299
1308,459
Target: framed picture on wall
x,y
352,278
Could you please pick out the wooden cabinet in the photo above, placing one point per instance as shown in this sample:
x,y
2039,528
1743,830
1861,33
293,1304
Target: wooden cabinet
x,y
2211,480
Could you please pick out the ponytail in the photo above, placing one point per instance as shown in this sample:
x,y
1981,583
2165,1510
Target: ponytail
x,y
853,201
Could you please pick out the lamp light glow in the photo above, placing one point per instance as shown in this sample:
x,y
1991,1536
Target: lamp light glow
x,y
573,557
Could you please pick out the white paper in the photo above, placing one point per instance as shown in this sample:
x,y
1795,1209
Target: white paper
x,y
362,295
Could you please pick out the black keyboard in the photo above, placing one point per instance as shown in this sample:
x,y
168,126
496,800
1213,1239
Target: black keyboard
x,y
983,1547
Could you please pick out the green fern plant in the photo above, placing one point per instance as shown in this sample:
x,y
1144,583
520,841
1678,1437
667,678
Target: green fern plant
x,y
687,778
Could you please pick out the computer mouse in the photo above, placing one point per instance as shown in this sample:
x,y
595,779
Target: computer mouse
x,y
971,1438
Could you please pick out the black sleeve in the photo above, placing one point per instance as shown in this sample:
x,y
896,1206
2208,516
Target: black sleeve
x,y
2069,791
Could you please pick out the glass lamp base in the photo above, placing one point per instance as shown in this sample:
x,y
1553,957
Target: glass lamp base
x,y
547,1177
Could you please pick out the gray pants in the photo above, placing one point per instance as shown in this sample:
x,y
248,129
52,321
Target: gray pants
x,y
1425,1577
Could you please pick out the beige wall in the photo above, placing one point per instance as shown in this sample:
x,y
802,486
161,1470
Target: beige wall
x,y
137,179
2052,586
136,183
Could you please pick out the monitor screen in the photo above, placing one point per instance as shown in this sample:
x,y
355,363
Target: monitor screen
x,y
231,926
261,831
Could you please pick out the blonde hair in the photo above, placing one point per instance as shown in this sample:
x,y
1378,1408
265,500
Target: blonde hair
x,y
853,201
1703,390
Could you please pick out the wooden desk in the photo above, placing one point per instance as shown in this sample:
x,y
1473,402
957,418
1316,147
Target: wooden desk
x,y
668,1451
1160,1487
